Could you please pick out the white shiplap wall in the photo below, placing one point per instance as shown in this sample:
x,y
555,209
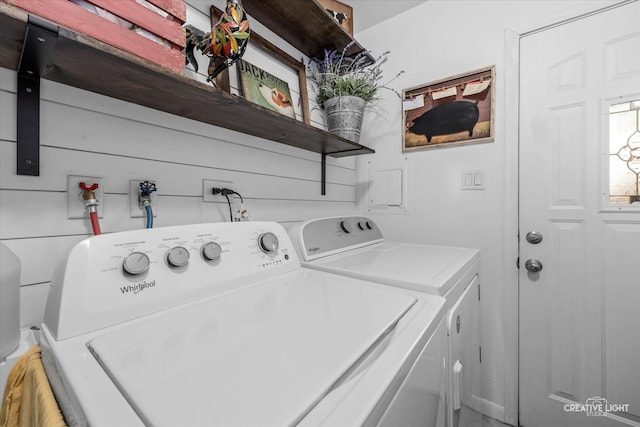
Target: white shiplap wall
x,y
91,135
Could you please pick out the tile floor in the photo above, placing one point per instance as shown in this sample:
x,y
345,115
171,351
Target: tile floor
x,y
471,418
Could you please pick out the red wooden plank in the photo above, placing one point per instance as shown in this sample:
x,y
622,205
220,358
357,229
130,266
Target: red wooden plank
x,y
67,14
177,8
145,19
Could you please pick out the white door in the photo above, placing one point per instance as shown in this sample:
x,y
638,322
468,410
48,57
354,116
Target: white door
x,y
580,315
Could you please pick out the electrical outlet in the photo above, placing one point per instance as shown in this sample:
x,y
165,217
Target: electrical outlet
x,y
76,208
136,210
208,184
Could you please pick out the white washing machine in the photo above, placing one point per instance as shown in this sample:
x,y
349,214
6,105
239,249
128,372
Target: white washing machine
x,y
219,325
354,246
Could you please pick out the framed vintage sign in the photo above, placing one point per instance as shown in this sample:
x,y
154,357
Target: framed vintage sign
x,y
265,89
453,111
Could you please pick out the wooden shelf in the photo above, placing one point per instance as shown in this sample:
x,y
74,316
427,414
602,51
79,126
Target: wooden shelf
x,y
89,64
304,24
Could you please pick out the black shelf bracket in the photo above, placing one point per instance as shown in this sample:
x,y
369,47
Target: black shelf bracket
x,y
323,171
39,42
323,175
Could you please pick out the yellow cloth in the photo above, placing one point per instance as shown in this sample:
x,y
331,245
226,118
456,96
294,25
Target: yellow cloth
x,y
28,400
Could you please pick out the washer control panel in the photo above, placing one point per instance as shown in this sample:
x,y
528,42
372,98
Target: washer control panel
x,y
111,278
328,236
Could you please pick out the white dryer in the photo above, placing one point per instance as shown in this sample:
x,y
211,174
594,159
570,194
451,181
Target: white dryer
x,y
219,325
354,246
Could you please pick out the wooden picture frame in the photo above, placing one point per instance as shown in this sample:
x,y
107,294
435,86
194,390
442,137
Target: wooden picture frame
x,y
453,111
342,13
293,63
265,45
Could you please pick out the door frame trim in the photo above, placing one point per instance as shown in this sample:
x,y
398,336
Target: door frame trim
x,y
511,182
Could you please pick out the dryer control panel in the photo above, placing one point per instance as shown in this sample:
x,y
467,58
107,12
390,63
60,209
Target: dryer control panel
x,y
327,236
111,278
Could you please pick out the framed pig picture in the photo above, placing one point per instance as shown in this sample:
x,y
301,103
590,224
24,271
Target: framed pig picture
x,y
454,111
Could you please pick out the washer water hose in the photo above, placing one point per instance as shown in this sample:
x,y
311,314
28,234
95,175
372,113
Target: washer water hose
x,y
91,203
149,212
146,188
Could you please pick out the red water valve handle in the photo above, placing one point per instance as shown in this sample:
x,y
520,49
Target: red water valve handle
x,y
84,187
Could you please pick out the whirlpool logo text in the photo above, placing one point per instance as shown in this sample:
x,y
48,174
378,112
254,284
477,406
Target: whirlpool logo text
x,y
136,288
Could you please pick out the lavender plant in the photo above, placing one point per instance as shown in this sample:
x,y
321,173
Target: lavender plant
x,y
337,74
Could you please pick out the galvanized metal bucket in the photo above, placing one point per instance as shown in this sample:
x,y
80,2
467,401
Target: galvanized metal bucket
x,y
344,116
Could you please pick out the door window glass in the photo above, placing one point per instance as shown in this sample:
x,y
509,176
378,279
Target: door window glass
x,y
624,153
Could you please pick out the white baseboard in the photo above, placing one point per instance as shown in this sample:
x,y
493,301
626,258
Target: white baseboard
x,y
488,408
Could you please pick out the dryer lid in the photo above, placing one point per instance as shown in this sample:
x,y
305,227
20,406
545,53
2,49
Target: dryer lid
x,y
261,356
423,268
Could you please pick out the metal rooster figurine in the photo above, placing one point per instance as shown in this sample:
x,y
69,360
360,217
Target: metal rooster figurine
x,y
226,42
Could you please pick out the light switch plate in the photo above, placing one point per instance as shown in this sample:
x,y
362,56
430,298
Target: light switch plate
x,y
473,179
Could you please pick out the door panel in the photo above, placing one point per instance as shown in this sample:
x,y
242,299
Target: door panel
x,y
579,322
622,298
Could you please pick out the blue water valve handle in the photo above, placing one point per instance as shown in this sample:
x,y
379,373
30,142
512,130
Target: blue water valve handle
x,y
147,187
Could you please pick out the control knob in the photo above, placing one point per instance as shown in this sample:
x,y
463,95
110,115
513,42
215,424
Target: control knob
x,y
136,263
268,243
364,225
211,251
178,256
346,226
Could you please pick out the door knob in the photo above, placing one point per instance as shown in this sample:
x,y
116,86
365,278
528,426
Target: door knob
x,y
533,265
534,237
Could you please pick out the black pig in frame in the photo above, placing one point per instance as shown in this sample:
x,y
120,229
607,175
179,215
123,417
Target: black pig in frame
x,y
454,111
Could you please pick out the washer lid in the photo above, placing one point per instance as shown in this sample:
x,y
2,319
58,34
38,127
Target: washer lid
x,y
423,268
262,356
